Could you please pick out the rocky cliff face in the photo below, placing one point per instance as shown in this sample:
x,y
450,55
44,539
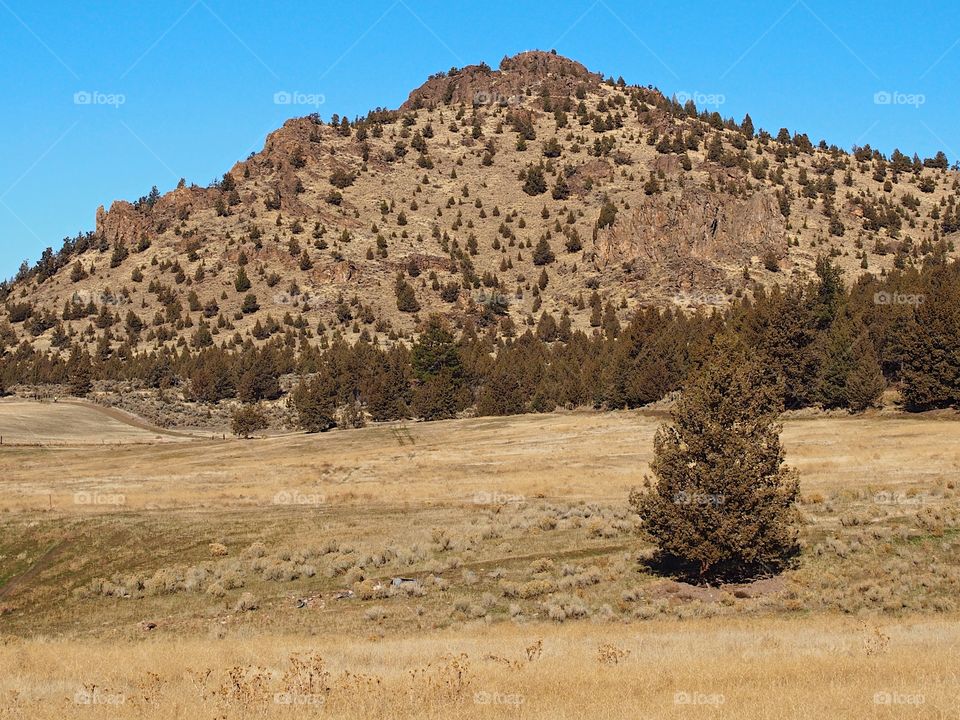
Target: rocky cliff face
x,y
696,237
127,223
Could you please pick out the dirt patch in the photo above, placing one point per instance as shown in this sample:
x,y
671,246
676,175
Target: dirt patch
x,y
677,592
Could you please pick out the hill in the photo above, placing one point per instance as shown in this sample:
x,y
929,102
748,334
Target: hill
x,y
489,195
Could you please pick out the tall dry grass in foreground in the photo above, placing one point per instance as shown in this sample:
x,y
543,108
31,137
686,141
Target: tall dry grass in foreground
x,y
803,667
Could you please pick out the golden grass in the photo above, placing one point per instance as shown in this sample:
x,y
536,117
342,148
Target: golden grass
x,y
819,666
580,456
217,558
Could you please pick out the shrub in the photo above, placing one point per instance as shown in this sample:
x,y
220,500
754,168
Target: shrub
x,y
375,613
342,178
246,603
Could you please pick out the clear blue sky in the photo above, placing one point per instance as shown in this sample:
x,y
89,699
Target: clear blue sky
x,y
197,79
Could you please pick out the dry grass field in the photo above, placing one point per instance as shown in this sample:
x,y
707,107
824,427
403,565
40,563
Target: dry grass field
x,y
471,568
24,422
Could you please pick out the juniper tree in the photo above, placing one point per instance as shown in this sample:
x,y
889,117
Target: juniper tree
x,y
406,297
931,370
242,282
849,373
259,376
437,365
865,382
543,253
315,401
79,373
247,420
724,503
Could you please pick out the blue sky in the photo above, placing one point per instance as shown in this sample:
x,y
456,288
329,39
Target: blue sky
x,y
184,88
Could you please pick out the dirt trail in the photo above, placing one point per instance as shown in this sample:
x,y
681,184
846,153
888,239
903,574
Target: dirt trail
x,y
43,562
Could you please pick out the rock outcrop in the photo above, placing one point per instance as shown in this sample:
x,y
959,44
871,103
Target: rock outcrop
x,y
692,237
521,79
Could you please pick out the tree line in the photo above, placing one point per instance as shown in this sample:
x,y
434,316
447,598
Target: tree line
x,y
824,343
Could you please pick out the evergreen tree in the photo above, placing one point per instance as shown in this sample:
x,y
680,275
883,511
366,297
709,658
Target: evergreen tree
x,y
534,183
611,326
77,273
387,392
849,373
547,328
608,213
79,373
596,315
561,190
931,371
514,378
242,282
780,327
212,378
315,401
829,293
724,504
865,382
543,253
715,148
249,304
835,364
438,368
248,419
260,380
406,297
